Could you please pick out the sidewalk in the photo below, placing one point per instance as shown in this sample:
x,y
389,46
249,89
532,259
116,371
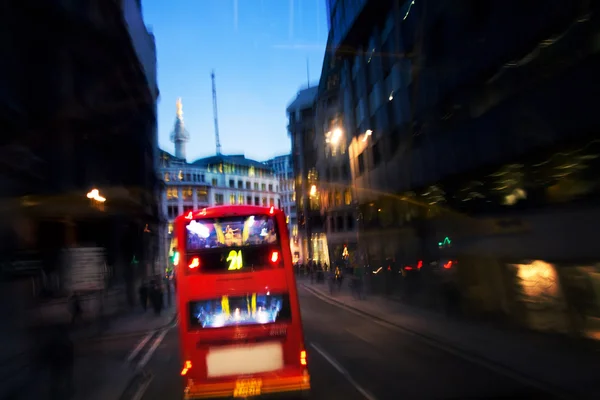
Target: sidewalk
x,y
130,323
97,377
553,362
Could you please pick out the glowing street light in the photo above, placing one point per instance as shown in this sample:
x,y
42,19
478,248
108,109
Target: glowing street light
x,y
313,190
334,136
367,134
94,194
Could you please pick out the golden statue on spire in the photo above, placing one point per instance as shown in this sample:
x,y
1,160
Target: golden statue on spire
x,y
179,108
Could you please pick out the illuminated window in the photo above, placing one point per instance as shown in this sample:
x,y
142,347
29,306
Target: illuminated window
x,y
180,175
338,198
240,199
202,195
167,177
348,197
172,193
170,228
251,171
264,201
186,193
232,199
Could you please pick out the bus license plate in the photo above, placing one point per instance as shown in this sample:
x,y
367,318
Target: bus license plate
x,y
247,387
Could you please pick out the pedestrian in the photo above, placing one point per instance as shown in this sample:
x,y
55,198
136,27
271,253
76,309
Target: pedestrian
x,y
75,308
59,357
144,295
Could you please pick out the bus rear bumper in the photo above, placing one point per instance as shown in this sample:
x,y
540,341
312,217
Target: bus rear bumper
x,y
297,387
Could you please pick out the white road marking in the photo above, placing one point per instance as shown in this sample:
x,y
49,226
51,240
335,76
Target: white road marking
x,y
497,368
142,389
359,336
152,349
342,371
140,346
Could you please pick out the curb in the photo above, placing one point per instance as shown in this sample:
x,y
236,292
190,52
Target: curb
x,y
551,390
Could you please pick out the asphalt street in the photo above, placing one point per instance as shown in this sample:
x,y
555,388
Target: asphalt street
x,y
350,358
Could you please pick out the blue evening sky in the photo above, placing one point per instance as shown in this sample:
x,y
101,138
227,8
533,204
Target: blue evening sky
x,y
259,51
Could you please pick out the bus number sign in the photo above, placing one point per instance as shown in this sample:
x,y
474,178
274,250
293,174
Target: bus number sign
x,y
235,260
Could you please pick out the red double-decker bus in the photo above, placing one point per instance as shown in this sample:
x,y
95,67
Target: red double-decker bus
x,y
239,317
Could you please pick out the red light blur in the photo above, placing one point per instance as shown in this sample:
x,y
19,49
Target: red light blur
x,y
408,268
195,263
274,256
448,265
420,264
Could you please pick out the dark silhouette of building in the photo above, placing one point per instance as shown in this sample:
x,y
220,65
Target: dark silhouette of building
x,y
77,112
472,131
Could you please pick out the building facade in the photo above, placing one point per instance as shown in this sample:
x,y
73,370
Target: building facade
x,y
461,144
63,139
283,169
334,188
301,129
212,181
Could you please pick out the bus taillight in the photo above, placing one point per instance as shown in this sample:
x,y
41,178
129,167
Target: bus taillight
x,y
186,368
303,357
195,263
275,257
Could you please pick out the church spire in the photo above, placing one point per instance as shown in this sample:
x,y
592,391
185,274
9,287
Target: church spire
x,y
179,136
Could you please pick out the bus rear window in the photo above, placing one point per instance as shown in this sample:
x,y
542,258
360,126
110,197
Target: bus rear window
x,y
229,311
239,231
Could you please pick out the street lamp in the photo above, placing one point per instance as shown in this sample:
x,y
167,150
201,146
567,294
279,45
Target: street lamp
x,y
94,194
368,133
97,200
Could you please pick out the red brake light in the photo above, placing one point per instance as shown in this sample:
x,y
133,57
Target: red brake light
x,y
274,256
195,263
419,264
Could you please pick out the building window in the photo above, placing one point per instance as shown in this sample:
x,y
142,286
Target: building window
x,y
350,222
264,202
232,199
202,177
270,187
361,163
348,197
240,185
255,185
248,185
215,183
172,193
180,175
202,195
231,183
186,193
263,187
240,199
256,201
272,202
167,178
249,200
219,199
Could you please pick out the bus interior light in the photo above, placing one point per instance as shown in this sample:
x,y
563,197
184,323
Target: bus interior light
x,y
303,357
195,263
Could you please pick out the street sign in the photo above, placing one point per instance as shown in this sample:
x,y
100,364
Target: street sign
x,y
85,268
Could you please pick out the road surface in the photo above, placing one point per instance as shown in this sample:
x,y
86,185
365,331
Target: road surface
x,y
351,358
